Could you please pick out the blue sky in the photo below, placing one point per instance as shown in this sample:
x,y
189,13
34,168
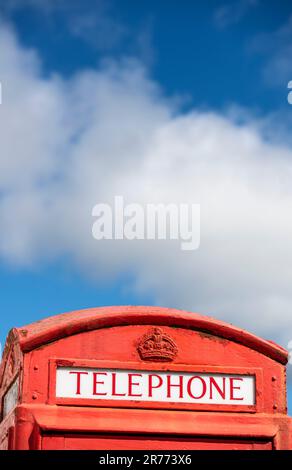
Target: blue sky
x,y
156,100
214,53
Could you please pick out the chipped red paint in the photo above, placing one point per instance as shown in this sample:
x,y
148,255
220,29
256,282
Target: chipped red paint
x,y
119,338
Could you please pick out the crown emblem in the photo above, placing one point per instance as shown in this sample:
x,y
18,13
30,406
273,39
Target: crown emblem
x,y
157,346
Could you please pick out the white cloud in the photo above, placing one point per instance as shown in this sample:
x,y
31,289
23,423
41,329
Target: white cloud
x,y
67,145
90,20
276,47
231,13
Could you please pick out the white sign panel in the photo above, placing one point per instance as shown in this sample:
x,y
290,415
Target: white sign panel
x,y
166,386
11,398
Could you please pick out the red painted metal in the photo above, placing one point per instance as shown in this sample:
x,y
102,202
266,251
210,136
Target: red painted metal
x,y
111,338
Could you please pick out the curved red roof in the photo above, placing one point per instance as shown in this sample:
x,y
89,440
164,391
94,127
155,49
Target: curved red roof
x,y
67,324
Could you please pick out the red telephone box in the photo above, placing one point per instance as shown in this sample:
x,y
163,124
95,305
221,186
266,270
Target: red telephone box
x,y
141,378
